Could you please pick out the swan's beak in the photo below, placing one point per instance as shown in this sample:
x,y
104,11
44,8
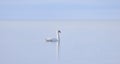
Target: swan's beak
x,y
59,31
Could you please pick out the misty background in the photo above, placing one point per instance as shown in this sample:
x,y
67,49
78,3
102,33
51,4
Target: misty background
x,y
90,31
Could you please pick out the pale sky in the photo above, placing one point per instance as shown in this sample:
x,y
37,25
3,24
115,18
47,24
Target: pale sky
x,y
59,9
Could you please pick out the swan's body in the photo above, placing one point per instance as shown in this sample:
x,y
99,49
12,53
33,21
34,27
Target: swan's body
x,y
51,40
